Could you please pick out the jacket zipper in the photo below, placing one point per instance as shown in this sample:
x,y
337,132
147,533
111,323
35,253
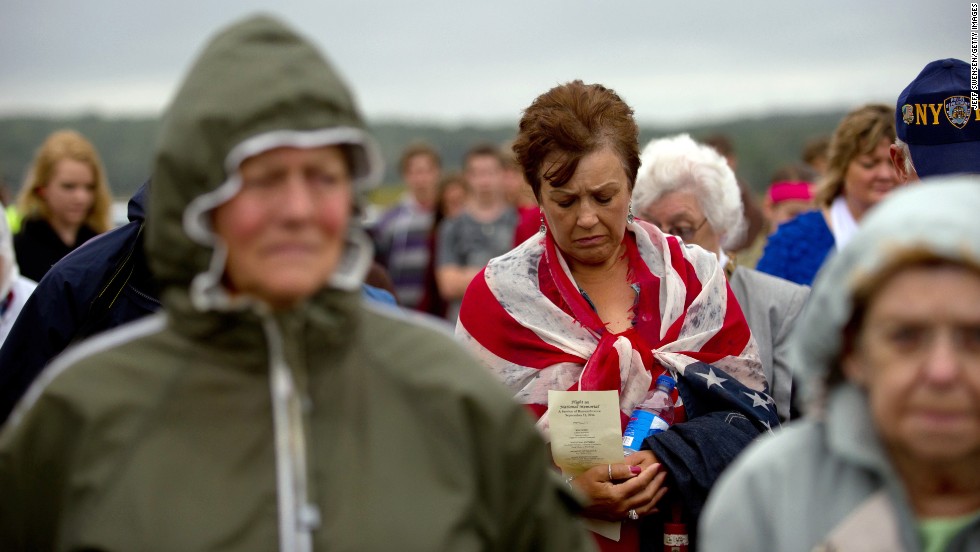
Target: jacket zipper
x,y
297,516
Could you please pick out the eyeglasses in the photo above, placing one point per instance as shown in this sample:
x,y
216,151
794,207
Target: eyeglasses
x,y
684,232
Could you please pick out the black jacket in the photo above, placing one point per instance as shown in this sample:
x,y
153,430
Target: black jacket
x,y
38,247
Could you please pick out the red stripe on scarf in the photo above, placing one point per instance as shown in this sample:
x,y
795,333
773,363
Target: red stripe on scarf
x,y
732,337
692,287
734,334
494,328
646,314
601,372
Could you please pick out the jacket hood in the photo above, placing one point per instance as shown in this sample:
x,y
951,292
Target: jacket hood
x,y
938,215
136,208
256,86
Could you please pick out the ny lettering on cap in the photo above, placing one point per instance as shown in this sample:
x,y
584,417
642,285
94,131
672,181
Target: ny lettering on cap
x,y
935,118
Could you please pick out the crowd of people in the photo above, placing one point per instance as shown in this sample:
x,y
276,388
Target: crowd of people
x,y
246,366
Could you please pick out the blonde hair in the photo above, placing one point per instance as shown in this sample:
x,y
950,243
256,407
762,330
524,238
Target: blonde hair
x,y
858,133
65,144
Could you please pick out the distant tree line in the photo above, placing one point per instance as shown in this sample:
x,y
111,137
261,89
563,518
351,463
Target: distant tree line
x,y
126,144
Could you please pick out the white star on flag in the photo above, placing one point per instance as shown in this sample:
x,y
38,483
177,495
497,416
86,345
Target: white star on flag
x,y
712,378
756,399
722,391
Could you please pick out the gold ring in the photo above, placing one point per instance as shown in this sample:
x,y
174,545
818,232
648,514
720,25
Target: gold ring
x,y
609,470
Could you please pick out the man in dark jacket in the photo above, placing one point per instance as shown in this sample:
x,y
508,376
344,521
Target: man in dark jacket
x,y
99,286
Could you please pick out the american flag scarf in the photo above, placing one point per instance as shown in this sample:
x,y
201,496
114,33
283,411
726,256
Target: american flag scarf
x,y
526,319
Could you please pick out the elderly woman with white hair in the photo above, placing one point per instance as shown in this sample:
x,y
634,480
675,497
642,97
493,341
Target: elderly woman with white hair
x,y
14,288
889,351
688,190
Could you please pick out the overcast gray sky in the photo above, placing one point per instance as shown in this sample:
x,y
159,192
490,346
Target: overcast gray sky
x,y
458,61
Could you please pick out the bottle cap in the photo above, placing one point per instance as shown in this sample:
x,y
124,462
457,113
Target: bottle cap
x,y
666,381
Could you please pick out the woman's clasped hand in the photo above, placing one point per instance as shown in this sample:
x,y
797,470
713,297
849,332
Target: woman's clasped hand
x,y
614,490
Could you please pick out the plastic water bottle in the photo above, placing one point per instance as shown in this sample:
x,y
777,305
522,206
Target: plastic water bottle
x,y
653,415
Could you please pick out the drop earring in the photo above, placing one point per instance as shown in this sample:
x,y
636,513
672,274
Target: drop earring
x,y
542,229
629,214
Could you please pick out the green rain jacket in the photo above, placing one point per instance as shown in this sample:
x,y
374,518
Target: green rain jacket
x,y
221,425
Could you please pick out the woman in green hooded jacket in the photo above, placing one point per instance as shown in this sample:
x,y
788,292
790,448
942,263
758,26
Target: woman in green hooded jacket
x,y
270,407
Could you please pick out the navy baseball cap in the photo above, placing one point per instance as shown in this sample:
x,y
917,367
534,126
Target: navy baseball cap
x,y
935,118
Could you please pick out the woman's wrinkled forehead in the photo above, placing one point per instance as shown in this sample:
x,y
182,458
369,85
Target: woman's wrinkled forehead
x,y
263,162
360,153
559,167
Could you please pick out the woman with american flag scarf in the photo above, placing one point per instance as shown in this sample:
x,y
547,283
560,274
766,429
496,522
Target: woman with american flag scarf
x,y
600,301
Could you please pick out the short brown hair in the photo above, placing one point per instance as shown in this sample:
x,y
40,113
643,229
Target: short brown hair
x,y
858,133
508,156
416,149
573,120
453,178
814,149
793,173
484,150
720,143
